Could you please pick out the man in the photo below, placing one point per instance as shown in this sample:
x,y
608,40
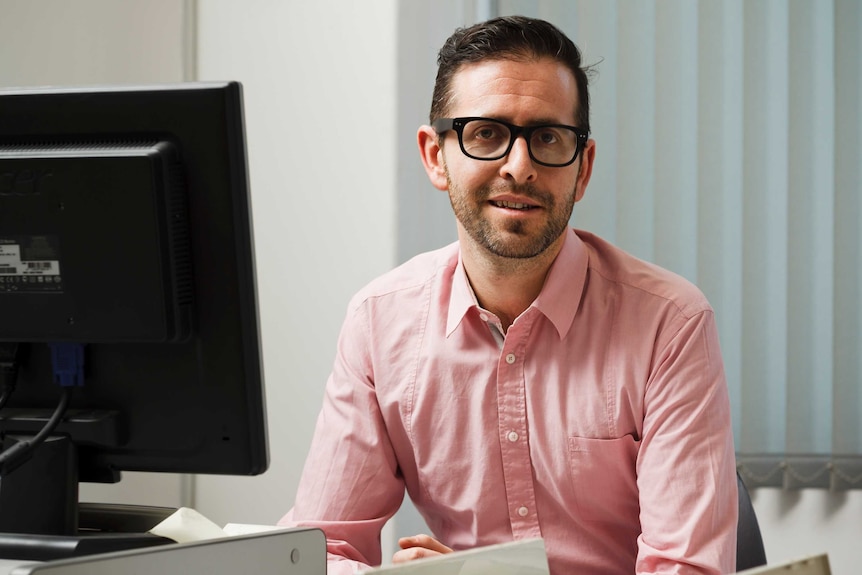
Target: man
x,y
529,380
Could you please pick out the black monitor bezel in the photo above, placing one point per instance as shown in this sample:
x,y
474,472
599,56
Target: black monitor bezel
x,y
218,421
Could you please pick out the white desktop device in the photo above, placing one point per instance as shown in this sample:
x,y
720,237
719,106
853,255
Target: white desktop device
x,y
528,558
282,552
523,557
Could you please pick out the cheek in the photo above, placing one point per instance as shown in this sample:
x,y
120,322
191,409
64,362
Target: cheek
x,y
468,174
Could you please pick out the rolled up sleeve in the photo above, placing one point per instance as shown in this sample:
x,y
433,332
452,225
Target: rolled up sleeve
x,y
350,485
686,464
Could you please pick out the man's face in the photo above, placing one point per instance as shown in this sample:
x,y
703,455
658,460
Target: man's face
x,y
513,207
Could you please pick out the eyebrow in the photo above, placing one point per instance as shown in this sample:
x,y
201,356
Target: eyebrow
x,y
544,121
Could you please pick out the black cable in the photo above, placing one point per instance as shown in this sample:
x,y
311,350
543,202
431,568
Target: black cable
x,y
8,390
10,359
67,360
19,451
54,421
10,456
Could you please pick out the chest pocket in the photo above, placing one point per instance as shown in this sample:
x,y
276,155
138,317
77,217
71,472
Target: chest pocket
x,y
604,479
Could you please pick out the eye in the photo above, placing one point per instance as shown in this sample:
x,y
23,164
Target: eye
x,y
546,136
487,132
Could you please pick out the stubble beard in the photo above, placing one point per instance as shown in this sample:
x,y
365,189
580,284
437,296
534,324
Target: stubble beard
x,y
514,241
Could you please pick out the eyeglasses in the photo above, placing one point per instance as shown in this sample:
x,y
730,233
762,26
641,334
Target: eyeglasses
x,y
554,145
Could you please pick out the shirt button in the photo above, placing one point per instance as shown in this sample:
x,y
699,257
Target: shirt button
x,y
483,317
523,511
510,359
513,436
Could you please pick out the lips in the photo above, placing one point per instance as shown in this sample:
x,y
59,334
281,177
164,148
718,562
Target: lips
x,y
511,205
523,197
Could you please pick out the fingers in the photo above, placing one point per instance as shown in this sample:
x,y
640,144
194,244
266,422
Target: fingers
x,y
413,553
418,547
425,541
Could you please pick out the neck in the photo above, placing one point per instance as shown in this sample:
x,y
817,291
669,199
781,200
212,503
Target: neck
x,y
506,286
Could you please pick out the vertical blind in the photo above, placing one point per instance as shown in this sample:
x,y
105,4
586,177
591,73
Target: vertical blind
x,y
729,150
729,138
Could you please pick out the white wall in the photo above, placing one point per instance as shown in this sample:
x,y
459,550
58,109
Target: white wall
x,y
57,42
328,165
319,85
810,521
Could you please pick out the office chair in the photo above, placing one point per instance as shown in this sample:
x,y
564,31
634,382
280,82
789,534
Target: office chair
x,y
749,542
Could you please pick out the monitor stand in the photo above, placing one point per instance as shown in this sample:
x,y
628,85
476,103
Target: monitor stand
x,y
41,519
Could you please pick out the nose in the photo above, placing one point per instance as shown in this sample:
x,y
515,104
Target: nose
x,y
519,166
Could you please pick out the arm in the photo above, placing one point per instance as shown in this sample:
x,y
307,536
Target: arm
x,y
350,485
686,463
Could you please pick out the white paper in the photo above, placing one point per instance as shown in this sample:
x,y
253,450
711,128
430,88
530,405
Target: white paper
x,y
525,557
186,525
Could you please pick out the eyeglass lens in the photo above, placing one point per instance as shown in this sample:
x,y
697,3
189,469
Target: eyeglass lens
x,y
488,139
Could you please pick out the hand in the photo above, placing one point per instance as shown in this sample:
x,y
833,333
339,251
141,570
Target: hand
x,y
417,547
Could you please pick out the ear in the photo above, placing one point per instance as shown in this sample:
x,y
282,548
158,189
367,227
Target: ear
x,y
432,157
585,170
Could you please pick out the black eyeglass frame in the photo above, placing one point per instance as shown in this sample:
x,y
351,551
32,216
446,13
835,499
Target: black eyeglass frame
x,y
443,125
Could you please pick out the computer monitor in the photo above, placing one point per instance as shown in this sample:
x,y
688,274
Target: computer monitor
x,y
125,242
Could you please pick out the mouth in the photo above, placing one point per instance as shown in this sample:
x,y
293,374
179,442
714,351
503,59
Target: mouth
x,y
512,205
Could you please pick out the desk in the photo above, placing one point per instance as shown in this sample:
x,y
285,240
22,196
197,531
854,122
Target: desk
x,y
286,552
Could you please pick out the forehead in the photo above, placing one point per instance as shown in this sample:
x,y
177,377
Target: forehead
x,y
520,91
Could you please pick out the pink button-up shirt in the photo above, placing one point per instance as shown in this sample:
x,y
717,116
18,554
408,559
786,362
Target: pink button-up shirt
x,y
600,422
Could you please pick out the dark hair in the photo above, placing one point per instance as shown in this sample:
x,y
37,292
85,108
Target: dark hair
x,y
508,37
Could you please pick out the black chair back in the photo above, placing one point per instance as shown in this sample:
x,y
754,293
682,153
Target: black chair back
x,y
749,542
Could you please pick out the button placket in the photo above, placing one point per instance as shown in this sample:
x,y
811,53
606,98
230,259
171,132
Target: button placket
x,y
512,406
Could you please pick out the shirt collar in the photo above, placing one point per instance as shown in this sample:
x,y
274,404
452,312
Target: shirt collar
x,y
558,300
561,295
462,298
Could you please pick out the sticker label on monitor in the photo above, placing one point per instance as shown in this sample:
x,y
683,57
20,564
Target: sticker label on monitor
x,y
30,264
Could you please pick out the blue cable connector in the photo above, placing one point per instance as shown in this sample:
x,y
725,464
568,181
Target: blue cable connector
x,y
68,362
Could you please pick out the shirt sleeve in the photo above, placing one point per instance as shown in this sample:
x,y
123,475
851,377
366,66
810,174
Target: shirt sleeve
x,y
686,464
350,485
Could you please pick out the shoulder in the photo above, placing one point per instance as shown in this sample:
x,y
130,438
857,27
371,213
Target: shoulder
x,y
409,279
639,279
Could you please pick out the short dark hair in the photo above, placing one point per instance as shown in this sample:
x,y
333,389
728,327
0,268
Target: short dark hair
x,y
508,37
